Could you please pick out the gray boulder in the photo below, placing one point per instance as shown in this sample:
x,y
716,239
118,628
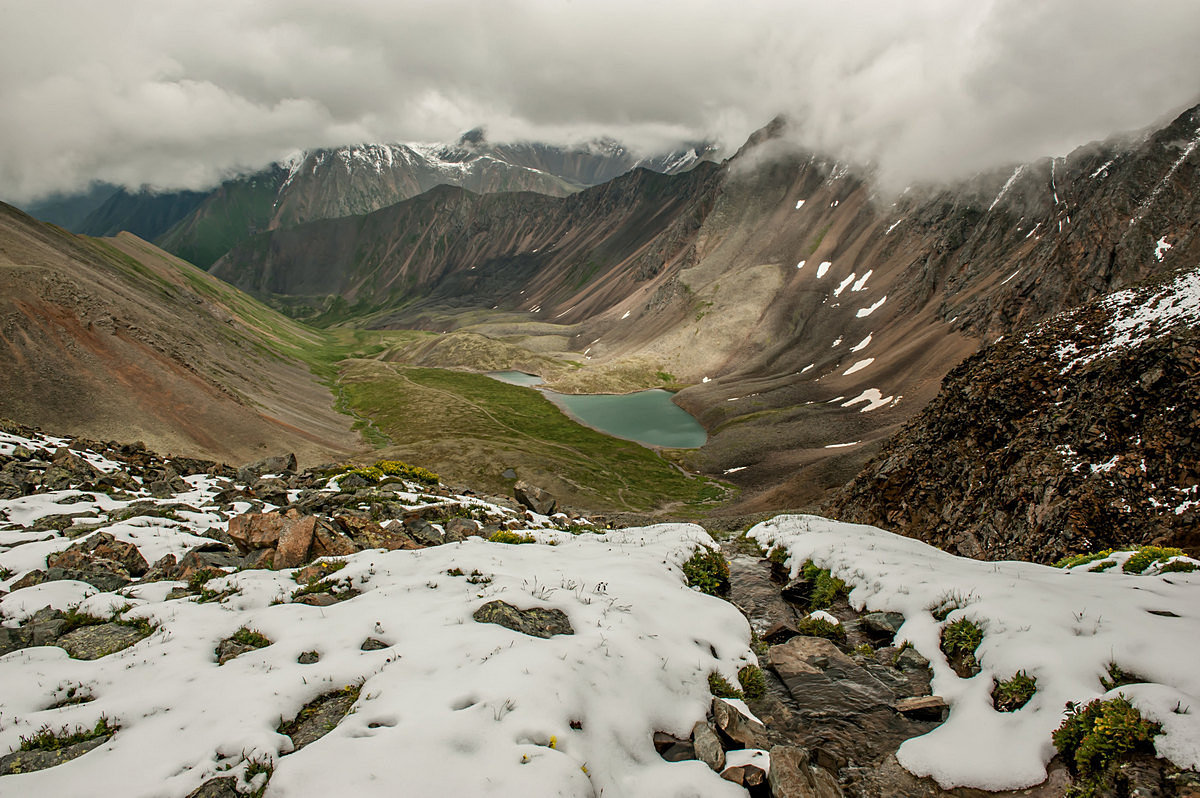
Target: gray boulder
x,y
535,621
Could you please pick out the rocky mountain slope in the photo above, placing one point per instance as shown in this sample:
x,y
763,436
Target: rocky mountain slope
x,y
809,314
1080,435
115,338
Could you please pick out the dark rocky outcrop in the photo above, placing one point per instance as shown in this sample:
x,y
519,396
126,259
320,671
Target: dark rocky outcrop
x,y
1058,441
534,621
533,497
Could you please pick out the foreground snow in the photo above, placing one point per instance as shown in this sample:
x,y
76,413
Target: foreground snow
x,y
451,707
1063,627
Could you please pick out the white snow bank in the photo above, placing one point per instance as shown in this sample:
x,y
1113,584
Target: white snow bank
x,y
858,366
822,268
874,399
862,313
452,707
1062,627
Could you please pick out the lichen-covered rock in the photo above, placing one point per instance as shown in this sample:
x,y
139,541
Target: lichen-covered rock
x,y
96,551
535,621
319,717
793,775
29,761
94,642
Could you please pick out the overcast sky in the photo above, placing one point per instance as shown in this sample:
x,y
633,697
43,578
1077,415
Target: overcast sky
x,y
180,94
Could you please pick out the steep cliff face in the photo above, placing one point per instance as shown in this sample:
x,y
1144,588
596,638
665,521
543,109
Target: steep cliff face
x,y
1080,435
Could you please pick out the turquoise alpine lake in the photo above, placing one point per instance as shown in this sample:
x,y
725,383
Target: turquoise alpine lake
x,y
648,417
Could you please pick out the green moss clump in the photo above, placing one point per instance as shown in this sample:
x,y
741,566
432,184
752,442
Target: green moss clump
x,y
778,555
1010,695
820,627
959,642
1147,556
707,571
510,537
1094,739
864,650
753,682
825,586
46,739
1178,567
250,637
719,687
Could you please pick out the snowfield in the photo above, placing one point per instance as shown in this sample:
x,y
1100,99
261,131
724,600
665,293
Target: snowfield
x,y
1064,627
451,706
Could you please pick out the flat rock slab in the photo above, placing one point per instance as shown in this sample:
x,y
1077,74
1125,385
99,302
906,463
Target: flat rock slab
x,y
94,642
534,621
823,680
29,761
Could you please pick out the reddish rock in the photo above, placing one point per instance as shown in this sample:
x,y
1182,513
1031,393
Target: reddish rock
x,y
294,541
256,530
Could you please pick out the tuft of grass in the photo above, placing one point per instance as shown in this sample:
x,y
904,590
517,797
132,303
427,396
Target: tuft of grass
x,y
707,571
864,650
1010,695
819,627
1095,739
46,739
250,637
753,682
825,586
197,580
719,687
1119,677
510,537
960,639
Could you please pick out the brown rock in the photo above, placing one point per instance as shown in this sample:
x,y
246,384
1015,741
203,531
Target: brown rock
x,y
926,707
745,775
533,497
708,746
370,535
259,558
329,542
256,530
294,541
794,776
743,731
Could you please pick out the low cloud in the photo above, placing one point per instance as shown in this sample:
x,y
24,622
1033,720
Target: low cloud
x,y
180,95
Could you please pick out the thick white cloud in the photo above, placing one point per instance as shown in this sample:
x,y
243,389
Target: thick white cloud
x,y
178,94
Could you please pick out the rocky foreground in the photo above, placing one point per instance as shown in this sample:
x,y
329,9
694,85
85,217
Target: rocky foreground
x,y
179,627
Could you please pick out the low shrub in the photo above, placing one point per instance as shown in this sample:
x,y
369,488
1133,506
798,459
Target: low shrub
x,y
1094,739
707,571
1147,556
510,537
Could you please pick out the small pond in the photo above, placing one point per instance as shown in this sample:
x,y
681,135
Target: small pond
x,y
648,417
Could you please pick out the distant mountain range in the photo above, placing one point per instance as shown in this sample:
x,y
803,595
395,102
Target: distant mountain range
x,y
344,181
